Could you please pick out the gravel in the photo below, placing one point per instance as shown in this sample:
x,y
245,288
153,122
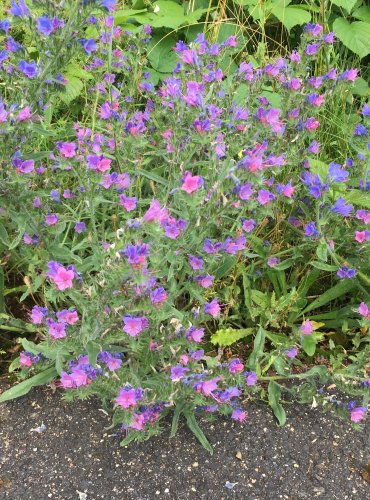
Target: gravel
x,y
50,449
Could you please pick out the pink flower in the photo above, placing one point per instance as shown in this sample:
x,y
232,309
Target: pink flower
x,y
239,415
137,422
62,277
79,378
236,366
67,149
24,114
133,325
364,310
248,225
362,236
25,360
128,396
191,183
213,308
66,380
207,387
357,414
57,330
155,212
195,334
306,328
129,204
69,317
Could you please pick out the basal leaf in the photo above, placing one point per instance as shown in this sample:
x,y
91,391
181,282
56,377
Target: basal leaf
x,y
274,394
25,386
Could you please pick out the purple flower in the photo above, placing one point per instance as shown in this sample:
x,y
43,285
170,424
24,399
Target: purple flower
x,y
264,196
310,229
195,262
291,352
51,219
366,110
5,25
136,254
38,314
158,295
239,415
312,49
313,29
245,191
345,272
108,4
272,261
195,334
80,227
360,130
337,173
251,378
178,372
89,46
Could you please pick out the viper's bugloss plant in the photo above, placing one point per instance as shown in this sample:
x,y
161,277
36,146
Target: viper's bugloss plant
x,y
152,223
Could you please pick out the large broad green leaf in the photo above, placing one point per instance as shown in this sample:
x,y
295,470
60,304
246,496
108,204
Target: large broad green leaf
x,y
25,386
227,336
71,90
161,56
355,36
360,87
357,197
290,15
319,167
362,13
345,4
274,393
122,16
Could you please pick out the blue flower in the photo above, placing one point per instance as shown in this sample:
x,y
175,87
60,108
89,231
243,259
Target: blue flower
x,y
44,25
340,207
337,173
19,10
28,69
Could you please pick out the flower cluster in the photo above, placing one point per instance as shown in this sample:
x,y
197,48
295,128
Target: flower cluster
x,y
159,218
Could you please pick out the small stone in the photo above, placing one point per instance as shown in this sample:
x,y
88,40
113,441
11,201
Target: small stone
x,y
238,455
195,464
296,466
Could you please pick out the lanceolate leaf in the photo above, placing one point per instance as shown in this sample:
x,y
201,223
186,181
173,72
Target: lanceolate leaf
x,y
25,386
274,394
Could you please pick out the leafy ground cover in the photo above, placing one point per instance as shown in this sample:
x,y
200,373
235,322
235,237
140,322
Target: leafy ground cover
x,y
183,243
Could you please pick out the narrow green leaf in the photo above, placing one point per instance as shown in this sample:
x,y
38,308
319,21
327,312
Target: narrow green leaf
x,y
93,350
175,419
334,292
197,431
25,386
258,347
274,394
